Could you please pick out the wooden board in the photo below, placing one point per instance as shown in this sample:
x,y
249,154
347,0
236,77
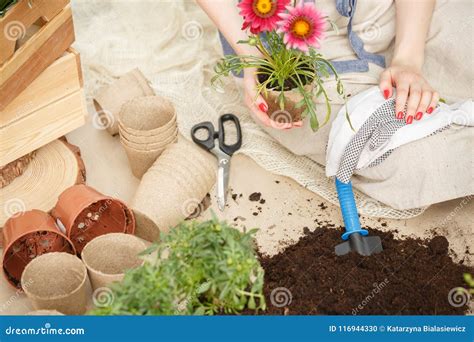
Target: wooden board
x,y
54,168
35,55
52,106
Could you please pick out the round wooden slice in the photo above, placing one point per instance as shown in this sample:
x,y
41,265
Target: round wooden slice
x,y
14,169
55,167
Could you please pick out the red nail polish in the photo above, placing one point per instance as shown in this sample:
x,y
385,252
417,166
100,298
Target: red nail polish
x,y
400,115
263,107
409,119
418,115
430,110
386,93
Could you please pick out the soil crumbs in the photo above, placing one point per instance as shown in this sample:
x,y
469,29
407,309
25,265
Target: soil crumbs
x,y
410,277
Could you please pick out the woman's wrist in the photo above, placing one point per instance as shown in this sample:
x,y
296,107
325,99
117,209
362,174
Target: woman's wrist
x,y
412,61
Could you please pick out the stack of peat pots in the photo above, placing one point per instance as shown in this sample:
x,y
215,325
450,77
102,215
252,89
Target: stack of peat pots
x,y
147,125
110,99
173,188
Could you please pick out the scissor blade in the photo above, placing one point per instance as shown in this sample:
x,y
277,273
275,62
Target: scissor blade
x,y
222,181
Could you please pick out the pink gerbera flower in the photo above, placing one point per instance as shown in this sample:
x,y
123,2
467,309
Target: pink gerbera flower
x,y
261,15
302,26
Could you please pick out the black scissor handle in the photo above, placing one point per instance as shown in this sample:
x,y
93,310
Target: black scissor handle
x,y
208,143
229,149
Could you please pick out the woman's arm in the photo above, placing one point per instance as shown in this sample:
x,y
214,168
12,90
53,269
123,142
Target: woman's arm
x,y
225,16
413,22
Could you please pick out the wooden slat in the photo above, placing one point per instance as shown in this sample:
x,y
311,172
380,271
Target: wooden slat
x,y
57,81
36,55
44,126
52,106
21,17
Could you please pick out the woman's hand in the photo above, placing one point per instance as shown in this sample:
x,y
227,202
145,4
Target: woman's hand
x,y
259,107
256,104
413,91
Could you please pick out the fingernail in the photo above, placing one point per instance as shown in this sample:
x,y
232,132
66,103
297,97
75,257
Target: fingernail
x,y
400,115
409,119
418,115
430,110
386,93
263,107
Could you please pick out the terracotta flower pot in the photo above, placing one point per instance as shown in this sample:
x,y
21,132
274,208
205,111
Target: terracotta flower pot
x,y
58,281
147,116
107,257
110,98
28,235
86,213
290,114
173,188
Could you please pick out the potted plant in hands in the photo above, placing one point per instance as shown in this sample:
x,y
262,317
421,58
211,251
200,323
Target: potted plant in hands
x,y
290,71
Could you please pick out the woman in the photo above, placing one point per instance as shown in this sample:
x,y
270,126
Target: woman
x,y
415,97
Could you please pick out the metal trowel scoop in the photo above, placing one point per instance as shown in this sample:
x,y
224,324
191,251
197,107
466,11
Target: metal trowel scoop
x,y
355,237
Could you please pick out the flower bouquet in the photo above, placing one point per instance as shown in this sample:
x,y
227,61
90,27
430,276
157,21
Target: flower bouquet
x,y
290,71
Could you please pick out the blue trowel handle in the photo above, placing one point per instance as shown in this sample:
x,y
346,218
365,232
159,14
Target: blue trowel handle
x,y
348,209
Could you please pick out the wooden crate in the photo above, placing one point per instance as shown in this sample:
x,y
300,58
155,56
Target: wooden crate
x,y
19,66
52,106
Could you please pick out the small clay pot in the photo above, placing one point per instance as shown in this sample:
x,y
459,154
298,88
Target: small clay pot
x,y
291,113
110,98
147,116
57,281
28,235
86,213
107,257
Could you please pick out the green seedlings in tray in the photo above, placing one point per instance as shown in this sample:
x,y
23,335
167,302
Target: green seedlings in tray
x,y
200,268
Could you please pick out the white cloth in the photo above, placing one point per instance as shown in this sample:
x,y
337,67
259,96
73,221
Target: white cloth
x,y
363,105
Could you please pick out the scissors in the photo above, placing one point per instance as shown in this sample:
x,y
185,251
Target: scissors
x,y
223,152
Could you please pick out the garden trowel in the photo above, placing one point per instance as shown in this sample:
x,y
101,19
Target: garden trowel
x,y
355,237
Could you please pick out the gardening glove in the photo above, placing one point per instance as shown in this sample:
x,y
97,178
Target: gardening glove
x,y
376,131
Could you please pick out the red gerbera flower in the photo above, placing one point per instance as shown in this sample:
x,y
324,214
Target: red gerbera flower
x,y
261,15
302,26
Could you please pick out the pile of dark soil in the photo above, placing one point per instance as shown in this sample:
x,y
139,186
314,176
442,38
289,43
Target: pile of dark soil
x,y
410,277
